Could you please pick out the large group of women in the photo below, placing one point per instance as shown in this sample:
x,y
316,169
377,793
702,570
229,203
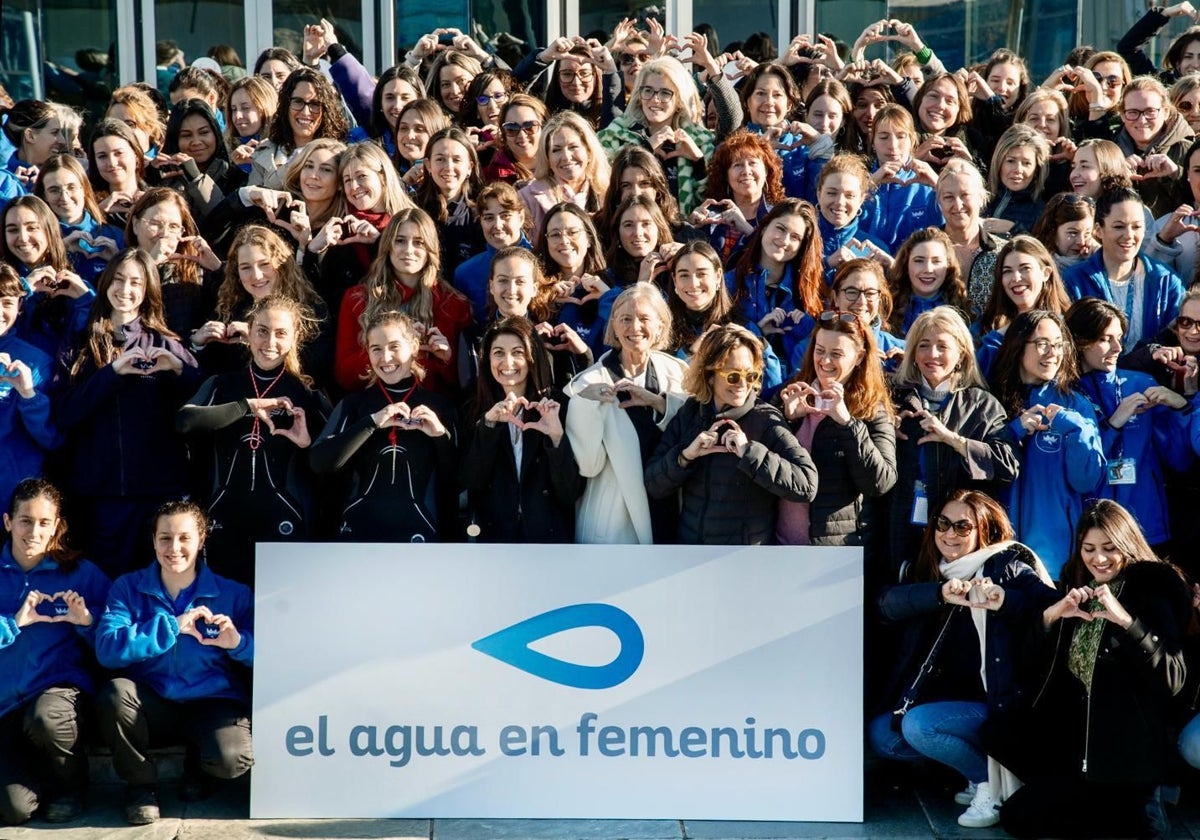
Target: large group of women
x,y
631,290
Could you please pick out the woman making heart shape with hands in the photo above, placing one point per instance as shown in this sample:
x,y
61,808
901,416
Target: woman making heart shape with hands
x,y
732,455
839,408
49,602
250,426
1100,720
396,443
126,380
519,469
181,641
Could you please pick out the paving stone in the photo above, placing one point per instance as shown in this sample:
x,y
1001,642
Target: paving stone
x,y
202,829
557,829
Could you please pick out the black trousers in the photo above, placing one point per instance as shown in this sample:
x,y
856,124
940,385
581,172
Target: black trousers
x,y
133,718
1071,807
41,753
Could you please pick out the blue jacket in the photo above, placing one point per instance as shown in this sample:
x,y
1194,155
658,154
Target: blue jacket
x,y
471,278
44,654
85,265
47,323
1155,439
895,211
758,301
10,185
989,348
26,430
918,306
1022,208
834,238
1060,467
139,636
1163,295
802,165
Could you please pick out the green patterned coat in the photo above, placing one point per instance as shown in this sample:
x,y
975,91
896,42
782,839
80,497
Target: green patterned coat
x,y
692,175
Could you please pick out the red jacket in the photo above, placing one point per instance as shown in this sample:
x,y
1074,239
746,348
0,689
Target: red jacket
x,y
451,314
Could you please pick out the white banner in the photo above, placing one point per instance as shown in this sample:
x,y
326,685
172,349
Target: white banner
x,y
634,682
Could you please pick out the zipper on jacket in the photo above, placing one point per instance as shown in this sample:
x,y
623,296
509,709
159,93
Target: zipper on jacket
x,y
1087,732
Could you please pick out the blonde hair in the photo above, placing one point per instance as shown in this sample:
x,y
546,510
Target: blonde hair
x,y
598,169
380,282
389,318
1036,97
1014,137
714,347
291,178
940,319
690,110
649,294
370,155
140,108
263,97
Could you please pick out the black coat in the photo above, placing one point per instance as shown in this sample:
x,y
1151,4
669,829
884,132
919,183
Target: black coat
x,y
919,610
538,506
729,500
1123,733
856,464
992,463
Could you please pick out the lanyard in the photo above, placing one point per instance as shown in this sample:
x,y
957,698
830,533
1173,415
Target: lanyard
x,y
255,430
387,396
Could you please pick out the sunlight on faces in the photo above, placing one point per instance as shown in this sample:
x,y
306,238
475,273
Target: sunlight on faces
x,y
961,199
576,79
568,241
513,286
453,82
363,186
1103,560
272,337
1038,367
859,292
1123,230
196,138
637,232
501,226
835,355
1018,168
637,327
509,364
409,252
1005,80
31,528
395,95
245,116
177,543
1072,238
949,544
634,181
866,106
304,123
893,143
826,115
725,395
319,178
159,229
1045,119
412,136
275,72
783,237
840,198
24,235
1102,354
116,161
928,263
1085,173
127,291
568,157
1023,279
1189,339
258,277
937,355
696,282
391,350
939,108
747,176
120,113
449,166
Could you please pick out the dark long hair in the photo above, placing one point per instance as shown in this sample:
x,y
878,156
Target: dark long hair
x,y
1006,370
186,109
541,375
33,488
806,265
991,524
333,121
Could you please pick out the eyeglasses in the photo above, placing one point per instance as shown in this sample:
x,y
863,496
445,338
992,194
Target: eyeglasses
x,y
629,59
1076,198
569,76
156,227
1135,114
530,127
1108,81
573,234
1186,107
485,98
1045,346
665,94
1185,323
737,377
299,105
962,527
853,293
831,315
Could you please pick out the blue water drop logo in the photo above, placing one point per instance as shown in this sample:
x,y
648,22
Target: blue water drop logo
x,y
511,646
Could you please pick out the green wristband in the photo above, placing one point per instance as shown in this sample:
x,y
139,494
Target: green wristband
x,y
924,54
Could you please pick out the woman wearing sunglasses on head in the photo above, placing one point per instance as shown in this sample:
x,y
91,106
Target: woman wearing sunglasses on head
x,y
959,614
951,432
732,455
839,408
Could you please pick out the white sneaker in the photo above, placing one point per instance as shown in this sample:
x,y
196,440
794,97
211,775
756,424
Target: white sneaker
x,y
983,811
964,797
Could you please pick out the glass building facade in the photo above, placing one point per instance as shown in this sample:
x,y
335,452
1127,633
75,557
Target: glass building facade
x,y
75,50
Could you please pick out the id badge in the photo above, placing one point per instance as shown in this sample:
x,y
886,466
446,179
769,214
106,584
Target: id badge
x,y
1122,471
920,508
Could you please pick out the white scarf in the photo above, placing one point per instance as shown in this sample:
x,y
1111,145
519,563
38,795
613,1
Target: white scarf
x,y
1002,782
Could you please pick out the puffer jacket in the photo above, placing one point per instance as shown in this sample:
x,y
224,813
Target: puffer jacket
x,y
729,500
856,463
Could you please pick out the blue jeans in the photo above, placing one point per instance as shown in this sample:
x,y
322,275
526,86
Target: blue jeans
x,y
1189,742
947,732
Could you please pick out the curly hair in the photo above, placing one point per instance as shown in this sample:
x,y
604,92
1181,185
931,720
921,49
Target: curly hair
x,y
304,321
738,145
408,330
290,281
333,121
714,347
1006,370
953,289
